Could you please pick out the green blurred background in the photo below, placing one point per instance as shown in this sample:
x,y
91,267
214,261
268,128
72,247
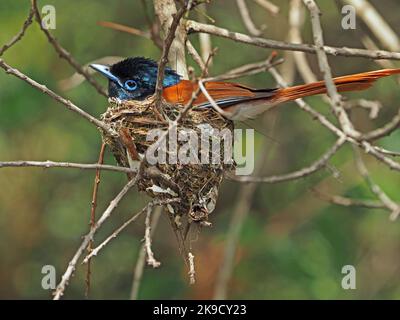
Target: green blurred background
x,y
292,245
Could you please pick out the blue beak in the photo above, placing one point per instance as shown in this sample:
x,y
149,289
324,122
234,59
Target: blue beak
x,y
105,71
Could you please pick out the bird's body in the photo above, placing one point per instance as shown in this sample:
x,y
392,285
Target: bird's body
x,y
132,84
135,79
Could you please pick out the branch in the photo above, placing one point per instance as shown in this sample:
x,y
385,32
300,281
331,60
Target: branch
x,y
8,69
248,22
194,26
380,194
52,164
376,24
365,145
348,202
317,165
96,250
64,54
336,99
192,271
166,48
269,6
20,34
384,131
106,214
166,12
140,262
147,241
246,70
93,214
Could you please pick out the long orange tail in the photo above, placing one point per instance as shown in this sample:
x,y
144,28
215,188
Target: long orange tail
x,y
354,82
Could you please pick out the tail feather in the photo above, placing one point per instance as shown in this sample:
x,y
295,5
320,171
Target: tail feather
x,y
354,82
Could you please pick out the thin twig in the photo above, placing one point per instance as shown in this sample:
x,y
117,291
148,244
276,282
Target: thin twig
x,y
365,145
246,18
10,70
192,271
384,131
246,70
314,167
204,38
59,291
376,189
194,54
52,164
20,34
164,57
123,28
348,202
64,54
336,99
269,6
194,26
96,250
151,261
141,259
93,213
381,29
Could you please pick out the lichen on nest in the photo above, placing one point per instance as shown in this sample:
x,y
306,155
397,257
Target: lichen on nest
x,y
196,184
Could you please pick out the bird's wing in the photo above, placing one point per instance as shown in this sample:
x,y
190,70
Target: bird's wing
x,y
224,94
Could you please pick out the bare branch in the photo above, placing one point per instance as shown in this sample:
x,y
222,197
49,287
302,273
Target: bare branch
x,y
52,164
166,12
192,272
193,26
204,38
246,70
106,214
376,189
317,165
336,99
63,53
147,241
296,21
123,28
384,131
248,22
56,97
96,250
20,34
93,214
269,6
141,260
381,29
348,202
194,54
166,48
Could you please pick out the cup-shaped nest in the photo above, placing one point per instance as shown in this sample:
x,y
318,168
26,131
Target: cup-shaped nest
x,y
189,163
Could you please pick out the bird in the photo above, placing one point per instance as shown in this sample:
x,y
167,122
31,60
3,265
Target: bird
x,y
135,78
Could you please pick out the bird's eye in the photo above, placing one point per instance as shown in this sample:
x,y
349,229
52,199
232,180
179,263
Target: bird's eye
x,y
130,85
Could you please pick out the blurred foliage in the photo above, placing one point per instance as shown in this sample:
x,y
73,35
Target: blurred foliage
x,y
292,245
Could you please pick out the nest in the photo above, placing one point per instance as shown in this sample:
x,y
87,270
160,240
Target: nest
x,y
196,185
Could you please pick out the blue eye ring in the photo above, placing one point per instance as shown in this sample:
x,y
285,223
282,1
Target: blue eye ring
x,y
130,85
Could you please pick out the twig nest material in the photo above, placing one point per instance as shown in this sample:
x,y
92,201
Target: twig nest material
x,y
194,183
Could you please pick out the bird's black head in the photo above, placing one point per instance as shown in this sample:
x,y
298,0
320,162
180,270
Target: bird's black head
x,y
134,78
